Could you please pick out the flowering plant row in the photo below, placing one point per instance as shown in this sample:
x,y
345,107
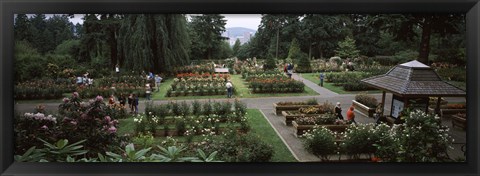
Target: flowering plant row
x,y
252,74
203,75
43,89
198,84
421,138
280,85
121,81
203,68
196,116
321,119
89,92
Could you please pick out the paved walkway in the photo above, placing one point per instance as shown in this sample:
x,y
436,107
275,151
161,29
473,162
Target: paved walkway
x,y
265,105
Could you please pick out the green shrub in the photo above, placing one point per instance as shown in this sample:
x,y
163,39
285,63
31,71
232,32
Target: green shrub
x,y
367,100
320,142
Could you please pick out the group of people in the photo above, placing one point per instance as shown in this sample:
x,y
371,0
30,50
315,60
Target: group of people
x,y
148,87
84,80
350,113
132,101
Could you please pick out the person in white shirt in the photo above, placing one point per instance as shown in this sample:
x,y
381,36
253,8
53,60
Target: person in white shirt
x,y
148,91
229,89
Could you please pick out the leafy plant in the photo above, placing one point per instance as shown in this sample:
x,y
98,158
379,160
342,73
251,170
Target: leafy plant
x,y
130,155
366,100
321,142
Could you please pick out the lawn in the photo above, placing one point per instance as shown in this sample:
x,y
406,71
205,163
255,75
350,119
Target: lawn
x,y
337,89
259,127
241,91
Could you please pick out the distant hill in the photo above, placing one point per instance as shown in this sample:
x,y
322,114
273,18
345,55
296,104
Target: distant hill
x,y
239,31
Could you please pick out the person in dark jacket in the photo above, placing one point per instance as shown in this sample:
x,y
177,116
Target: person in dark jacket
x,y
338,111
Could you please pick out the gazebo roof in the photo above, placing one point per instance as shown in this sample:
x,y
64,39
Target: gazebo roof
x,y
413,79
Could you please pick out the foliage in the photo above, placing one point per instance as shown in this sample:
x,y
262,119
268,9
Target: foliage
x,y
270,64
144,140
421,138
312,101
347,49
359,139
59,151
367,100
43,89
243,148
207,30
90,121
276,85
321,142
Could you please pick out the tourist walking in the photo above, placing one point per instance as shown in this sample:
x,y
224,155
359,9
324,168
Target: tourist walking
x,y
111,100
290,70
117,69
79,80
229,89
338,111
121,100
135,103
148,91
158,80
321,79
130,103
351,115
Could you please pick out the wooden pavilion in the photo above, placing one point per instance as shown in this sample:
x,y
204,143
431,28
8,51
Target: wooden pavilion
x,y
412,84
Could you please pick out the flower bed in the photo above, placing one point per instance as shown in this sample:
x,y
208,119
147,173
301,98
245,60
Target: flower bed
x,y
290,116
276,85
294,106
365,104
194,84
305,123
310,111
43,89
301,129
203,68
185,119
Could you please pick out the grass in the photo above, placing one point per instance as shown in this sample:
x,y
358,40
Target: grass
x,y
337,89
264,130
259,127
241,91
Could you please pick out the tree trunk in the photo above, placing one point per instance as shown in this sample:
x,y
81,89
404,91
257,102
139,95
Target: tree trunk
x,y
425,41
113,47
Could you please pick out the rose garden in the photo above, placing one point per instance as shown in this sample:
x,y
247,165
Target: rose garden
x,y
276,114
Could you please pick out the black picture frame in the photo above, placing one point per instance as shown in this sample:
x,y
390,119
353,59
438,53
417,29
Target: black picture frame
x,y
10,7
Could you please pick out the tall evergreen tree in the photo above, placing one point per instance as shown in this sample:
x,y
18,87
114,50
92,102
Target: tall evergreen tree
x,y
236,47
322,33
347,49
154,42
405,27
208,29
22,28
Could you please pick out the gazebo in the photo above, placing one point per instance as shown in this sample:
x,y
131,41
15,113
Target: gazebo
x,y
412,84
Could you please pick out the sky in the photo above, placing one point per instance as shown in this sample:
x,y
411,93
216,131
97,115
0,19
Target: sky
x,y
250,21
